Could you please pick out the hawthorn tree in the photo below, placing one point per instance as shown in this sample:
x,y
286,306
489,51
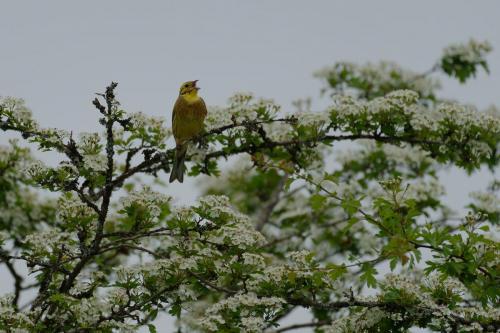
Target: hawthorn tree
x,y
359,237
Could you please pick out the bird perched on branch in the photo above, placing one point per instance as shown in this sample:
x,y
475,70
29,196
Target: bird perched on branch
x,y
187,123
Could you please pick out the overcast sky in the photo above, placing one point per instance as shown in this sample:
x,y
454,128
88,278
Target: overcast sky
x,y
57,54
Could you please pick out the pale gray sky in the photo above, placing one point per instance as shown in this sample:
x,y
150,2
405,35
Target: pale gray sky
x,y
56,54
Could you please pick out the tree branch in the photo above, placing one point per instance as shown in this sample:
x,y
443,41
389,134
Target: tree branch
x,y
304,325
18,279
268,208
108,188
394,307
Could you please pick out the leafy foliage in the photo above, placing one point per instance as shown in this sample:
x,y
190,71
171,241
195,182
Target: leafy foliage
x,y
281,228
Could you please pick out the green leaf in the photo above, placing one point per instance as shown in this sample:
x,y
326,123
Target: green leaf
x,y
485,228
368,275
317,201
351,205
393,263
175,310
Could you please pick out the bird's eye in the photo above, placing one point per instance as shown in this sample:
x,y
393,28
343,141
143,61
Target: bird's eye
x,y
186,85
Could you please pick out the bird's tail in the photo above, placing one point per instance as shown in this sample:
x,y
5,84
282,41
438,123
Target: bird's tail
x,y
178,167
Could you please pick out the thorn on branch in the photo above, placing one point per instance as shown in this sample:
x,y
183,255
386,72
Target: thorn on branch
x,y
125,123
110,92
99,106
147,154
350,295
72,151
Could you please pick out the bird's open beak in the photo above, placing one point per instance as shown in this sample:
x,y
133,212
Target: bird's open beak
x,y
197,88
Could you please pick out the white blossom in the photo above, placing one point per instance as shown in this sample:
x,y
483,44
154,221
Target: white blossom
x,y
186,293
155,126
487,201
302,258
196,154
70,207
138,119
278,131
241,235
210,323
315,119
217,117
437,281
96,162
89,143
248,299
147,198
54,136
17,113
356,322
36,170
381,75
217,205
274,274
50,241
242,107
118,296
252,324
253,259
473,51
9,314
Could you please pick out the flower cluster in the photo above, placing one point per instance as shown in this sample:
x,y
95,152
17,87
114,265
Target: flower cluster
x,y
15,112
436,284
487,202
421,190
279,131
461,60
95,162
473,51
236,229
216,205
148,129
74,212
11,318
144,205
410,161
314,119
49,242
470,138
196,153
240,233
89,312
250,309
90,147
217,117
36,170
89,143
301,258
358,322
375,80
51,178
242,107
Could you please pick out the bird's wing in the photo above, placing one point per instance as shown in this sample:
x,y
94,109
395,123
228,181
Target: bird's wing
x,y
177,105
175,113
203,107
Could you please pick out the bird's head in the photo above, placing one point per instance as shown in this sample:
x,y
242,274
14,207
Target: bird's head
x,y
189,88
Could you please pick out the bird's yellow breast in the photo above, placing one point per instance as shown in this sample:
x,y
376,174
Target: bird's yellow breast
x,y
191,97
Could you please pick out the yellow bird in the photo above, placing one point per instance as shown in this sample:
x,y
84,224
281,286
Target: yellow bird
x,y
187,123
